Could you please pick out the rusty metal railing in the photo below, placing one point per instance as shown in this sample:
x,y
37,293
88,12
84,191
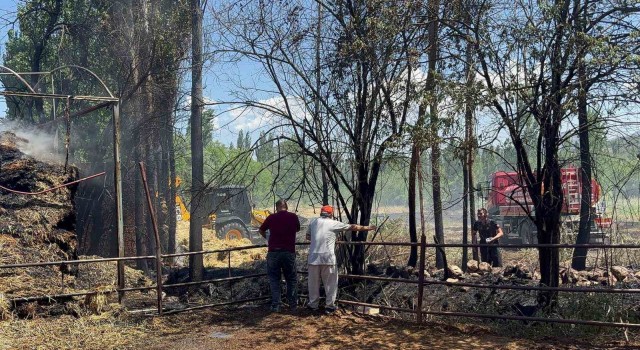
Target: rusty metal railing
x,y
421,283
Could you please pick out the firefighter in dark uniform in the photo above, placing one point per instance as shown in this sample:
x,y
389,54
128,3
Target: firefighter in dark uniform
x,y
490,232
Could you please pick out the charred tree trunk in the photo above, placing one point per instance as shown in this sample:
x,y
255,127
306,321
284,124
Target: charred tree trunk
x,y
140,222
472,200
547,214
434,6
413,234
465,210
173,220
197,166
579,261
469,190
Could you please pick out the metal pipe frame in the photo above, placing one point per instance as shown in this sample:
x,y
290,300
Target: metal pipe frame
x,y
419,312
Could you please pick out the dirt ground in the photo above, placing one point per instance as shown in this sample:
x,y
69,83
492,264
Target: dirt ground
x,y
259,329
256,328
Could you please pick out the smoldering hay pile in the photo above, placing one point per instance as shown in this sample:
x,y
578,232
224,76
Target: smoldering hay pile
x,y
41,228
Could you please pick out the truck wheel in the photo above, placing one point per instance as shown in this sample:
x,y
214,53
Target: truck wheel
x,y
232,230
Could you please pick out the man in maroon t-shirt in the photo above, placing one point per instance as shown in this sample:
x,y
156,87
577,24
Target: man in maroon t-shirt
x,y
281,258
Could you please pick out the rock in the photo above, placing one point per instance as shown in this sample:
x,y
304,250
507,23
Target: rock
x,y
373,269
584,283
452,280
583,275
472,266
569,276
484,267
367,310
390,270
595,275
455,271
474,274
517,271
397,272
619,272
637,275
438,274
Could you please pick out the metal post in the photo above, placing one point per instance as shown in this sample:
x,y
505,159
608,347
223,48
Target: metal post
x,y
157,238
229,272
423,248
117,177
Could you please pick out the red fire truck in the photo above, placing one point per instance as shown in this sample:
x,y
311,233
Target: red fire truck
x,y
508,203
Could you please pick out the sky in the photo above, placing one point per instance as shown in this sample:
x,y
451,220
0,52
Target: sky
x,y
7,10
216,84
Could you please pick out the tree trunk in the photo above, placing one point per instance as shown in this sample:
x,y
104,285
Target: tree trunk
x,y
584,228
197,163
140,221
171,201
470,143
434,6
413,235
548,219
472,200
465,210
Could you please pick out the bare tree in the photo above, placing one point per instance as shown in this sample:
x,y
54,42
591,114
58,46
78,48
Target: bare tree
x,y
365,92
529,72
197,162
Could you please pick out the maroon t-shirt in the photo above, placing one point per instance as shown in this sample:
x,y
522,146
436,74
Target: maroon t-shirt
x,y
282,227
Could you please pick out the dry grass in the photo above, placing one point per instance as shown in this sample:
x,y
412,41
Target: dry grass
x,y
5,308
106,331
211,242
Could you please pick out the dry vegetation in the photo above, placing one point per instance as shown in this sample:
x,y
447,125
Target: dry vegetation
x,y
256,328
211,242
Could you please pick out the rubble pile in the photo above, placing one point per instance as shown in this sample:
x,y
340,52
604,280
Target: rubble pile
x,y
454,297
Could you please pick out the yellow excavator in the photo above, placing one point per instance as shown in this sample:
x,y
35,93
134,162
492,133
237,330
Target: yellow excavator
x,y
231,213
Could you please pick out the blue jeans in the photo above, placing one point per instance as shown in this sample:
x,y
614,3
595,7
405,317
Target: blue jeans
x,y
282,262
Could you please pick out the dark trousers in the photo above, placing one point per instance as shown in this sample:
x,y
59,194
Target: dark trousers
x,y
282,262
491,255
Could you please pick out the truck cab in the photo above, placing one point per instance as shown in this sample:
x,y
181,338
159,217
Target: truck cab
x,y
510,205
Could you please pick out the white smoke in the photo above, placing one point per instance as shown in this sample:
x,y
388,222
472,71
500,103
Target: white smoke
x,y
32,142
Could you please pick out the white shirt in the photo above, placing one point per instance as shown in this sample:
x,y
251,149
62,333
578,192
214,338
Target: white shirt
x,y
323,240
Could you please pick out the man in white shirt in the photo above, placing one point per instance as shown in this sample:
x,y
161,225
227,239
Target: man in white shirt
x,y
322,257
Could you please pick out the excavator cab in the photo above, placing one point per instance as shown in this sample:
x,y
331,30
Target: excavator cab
x,y
232,212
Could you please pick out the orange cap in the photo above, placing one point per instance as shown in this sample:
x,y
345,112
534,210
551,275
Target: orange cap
x,y
327,209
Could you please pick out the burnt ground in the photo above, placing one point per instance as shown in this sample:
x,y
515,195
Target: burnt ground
x,y
257,328
254,327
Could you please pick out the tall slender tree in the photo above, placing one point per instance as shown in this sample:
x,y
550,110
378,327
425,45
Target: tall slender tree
x,y
197,149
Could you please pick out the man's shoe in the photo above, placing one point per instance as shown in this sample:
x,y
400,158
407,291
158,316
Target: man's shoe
x,y
275,308
329,310
312,309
